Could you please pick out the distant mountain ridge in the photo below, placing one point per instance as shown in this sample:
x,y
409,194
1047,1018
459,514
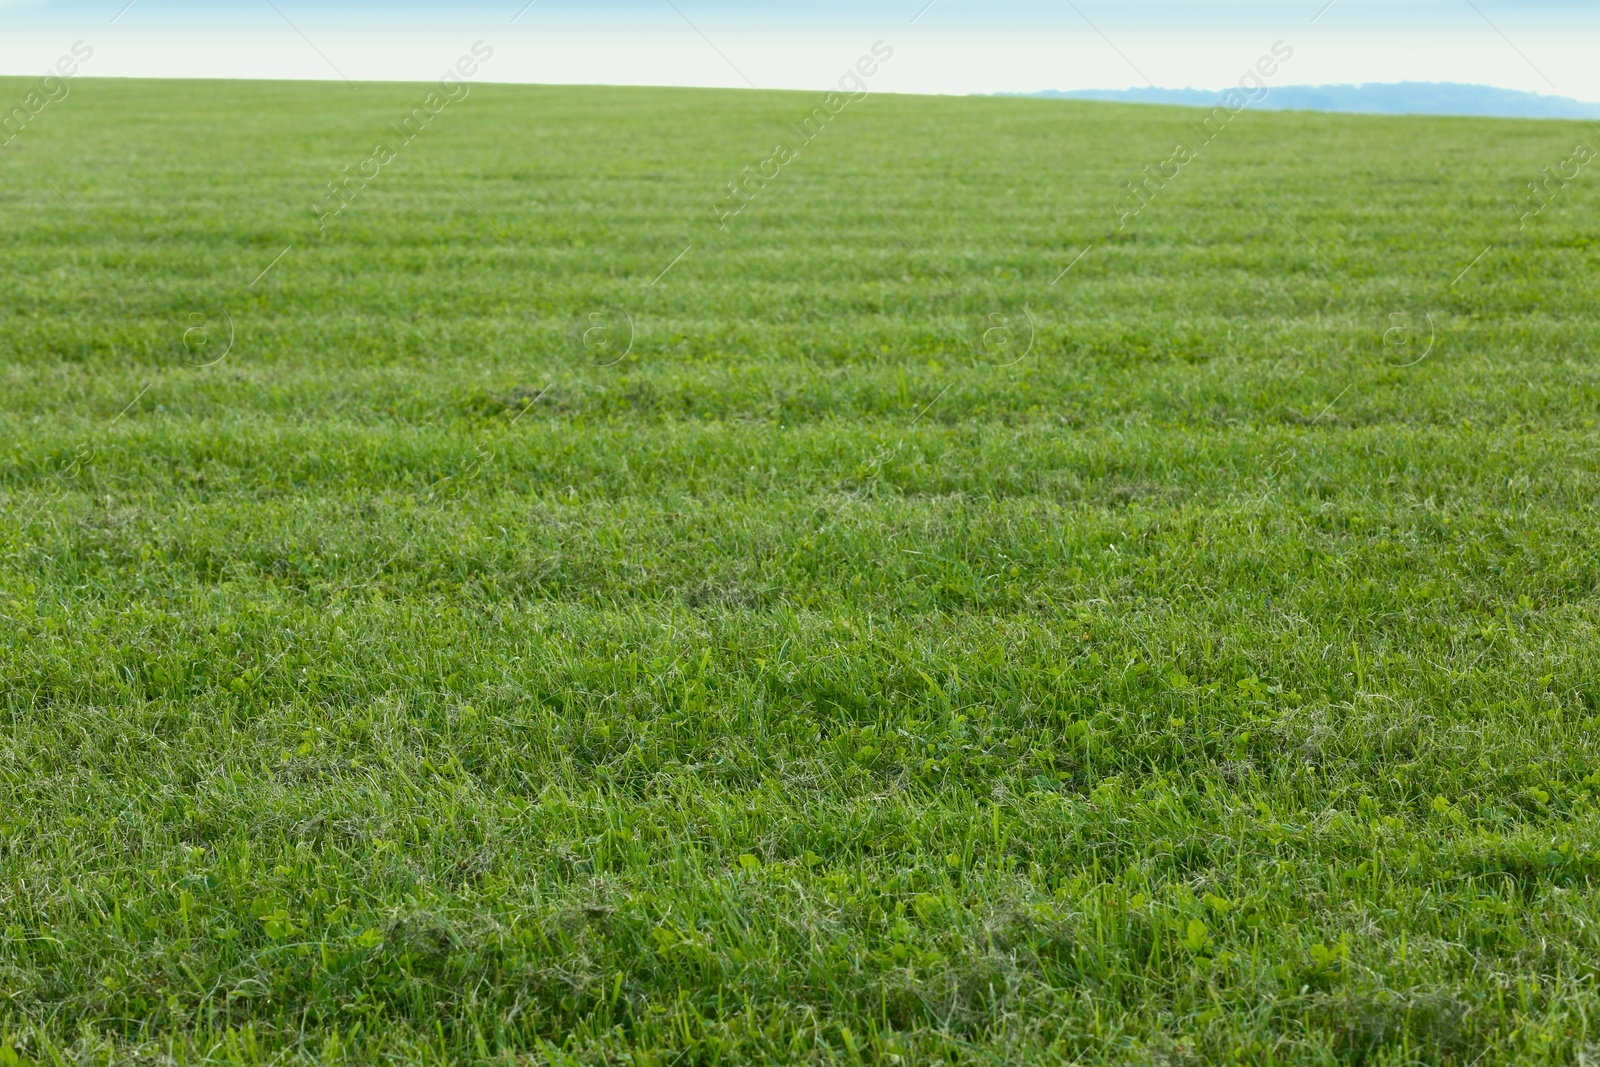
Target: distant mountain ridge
x,y
1395,98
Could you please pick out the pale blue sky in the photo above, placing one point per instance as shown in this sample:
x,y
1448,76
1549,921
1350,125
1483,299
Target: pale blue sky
x,y
955,46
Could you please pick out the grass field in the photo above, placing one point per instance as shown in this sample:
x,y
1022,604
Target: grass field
x,y
1204,670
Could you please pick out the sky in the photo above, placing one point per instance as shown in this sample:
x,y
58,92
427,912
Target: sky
x,y
946,46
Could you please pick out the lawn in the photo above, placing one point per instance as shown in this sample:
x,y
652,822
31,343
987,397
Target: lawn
x,y
930,615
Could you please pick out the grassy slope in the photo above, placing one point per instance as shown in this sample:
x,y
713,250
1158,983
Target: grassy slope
x,y
803,686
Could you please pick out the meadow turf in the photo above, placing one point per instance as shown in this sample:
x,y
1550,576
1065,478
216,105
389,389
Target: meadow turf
x,y
1206,670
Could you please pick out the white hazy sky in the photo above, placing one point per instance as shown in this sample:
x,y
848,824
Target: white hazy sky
x,y
949,46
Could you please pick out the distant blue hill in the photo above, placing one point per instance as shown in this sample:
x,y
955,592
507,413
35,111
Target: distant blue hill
x,y
1400,98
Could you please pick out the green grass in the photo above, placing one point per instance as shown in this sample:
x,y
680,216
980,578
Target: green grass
x,y
1203,687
